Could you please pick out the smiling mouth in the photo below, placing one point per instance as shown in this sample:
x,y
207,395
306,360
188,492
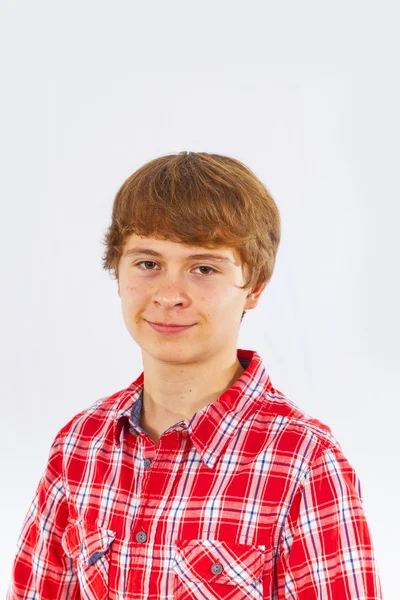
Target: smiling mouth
x,y
169,328
170,324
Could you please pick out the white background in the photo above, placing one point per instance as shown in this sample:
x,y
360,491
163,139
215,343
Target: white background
x,y
306,94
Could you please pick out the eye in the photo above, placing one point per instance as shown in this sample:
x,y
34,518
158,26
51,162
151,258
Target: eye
x,y
206,267
151,262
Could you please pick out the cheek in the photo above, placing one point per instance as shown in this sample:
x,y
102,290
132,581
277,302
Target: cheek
x,y
223,297
132,298
218,304
132,291
209,299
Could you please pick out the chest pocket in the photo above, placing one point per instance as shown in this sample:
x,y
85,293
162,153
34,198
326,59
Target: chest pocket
x,y
89,547
216,569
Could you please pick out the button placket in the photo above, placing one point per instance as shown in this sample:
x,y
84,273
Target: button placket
x,y
154,482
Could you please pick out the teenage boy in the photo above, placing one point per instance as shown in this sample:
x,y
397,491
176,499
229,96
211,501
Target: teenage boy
x,y
200,479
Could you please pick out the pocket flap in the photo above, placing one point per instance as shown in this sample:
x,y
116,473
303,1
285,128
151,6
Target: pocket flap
x,y
88,541
217,561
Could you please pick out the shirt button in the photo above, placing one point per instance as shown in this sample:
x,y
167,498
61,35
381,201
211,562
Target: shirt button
x,y
141,536
217,568
147,463
133,431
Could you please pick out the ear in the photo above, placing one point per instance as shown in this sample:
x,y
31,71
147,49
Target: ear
x,y
253,296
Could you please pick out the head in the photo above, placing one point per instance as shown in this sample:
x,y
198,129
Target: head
x,y
176,206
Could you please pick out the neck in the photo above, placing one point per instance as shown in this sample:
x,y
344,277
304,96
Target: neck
x,y
174,393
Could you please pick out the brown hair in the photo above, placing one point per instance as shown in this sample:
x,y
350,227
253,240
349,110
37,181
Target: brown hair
x,y
199,199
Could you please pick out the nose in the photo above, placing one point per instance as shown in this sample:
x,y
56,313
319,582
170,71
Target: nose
x,y
170,294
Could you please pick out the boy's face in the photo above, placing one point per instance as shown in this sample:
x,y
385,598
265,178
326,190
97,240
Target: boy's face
x,y
175,289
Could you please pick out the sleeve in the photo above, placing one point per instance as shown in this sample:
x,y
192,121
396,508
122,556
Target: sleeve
x,y
326,549
41,569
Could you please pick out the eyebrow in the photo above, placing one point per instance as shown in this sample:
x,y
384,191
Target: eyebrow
x,y
150,252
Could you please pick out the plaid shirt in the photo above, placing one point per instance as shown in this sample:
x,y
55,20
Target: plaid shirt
x,y
249,498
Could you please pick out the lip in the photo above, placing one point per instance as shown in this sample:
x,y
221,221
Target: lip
x,y
169,328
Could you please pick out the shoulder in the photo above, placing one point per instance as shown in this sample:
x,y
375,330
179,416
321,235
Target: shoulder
x,y
297,431
312,454
97,420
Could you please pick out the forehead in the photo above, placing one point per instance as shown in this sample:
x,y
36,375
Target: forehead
x,y
169,249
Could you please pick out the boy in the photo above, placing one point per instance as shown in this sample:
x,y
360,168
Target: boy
x,y
200,479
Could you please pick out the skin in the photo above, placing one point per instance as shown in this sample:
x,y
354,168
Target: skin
x,y
186,371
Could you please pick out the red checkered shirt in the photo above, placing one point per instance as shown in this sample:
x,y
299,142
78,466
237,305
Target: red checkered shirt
x,y
249,498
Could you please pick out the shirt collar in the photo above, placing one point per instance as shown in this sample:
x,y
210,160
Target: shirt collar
x,y
212,427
